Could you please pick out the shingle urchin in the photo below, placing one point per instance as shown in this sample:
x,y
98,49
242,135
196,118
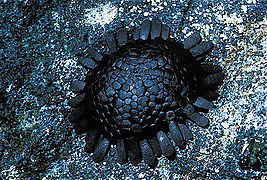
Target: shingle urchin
x,y
140,95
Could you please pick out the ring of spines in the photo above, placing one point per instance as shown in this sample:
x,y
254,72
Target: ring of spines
x,y
140,94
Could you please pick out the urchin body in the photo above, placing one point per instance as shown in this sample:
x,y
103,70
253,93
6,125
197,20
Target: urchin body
x,y
143,90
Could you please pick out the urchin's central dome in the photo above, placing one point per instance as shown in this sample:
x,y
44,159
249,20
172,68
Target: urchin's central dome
x,y
142,85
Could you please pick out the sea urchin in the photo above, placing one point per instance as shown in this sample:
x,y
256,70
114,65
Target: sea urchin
x,y
140,95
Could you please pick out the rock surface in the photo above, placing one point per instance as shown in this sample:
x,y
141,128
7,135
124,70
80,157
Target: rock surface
x,y
40,42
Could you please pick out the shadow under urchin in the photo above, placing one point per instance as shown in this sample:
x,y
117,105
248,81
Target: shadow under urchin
x,y
140,95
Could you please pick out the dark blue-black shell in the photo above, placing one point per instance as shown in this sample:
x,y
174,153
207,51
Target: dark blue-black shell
x,y
140,95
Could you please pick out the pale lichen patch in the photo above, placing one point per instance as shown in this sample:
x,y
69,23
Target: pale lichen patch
x,y
101,15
